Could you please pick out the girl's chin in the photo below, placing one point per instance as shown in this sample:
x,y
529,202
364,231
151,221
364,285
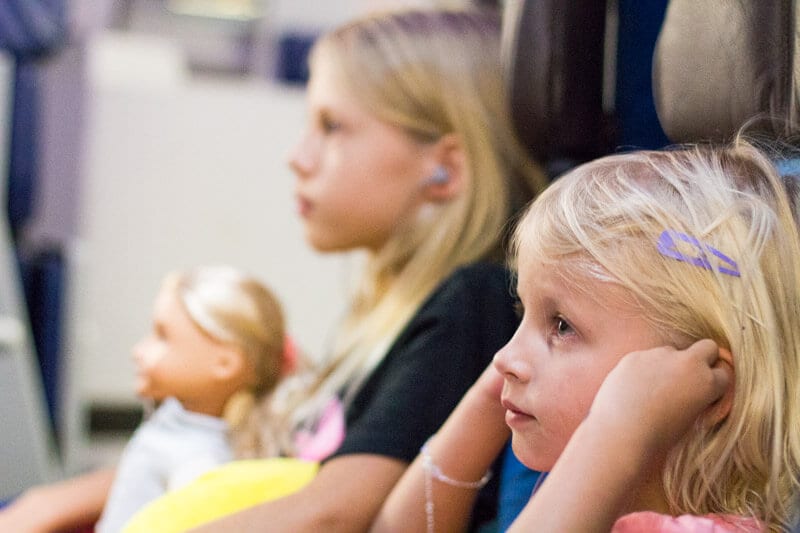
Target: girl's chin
x,y
144,393
527,455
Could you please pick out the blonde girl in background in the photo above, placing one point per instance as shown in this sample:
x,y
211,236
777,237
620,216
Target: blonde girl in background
x,y
409,155
686,261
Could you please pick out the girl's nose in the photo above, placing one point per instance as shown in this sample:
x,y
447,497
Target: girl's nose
x,y
304,156
139,352
511,362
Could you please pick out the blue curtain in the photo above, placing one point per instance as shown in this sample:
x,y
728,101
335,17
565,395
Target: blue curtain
x,y
29,31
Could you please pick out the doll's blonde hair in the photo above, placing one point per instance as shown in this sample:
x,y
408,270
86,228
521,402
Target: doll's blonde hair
x,y
234,308
603,222
431,73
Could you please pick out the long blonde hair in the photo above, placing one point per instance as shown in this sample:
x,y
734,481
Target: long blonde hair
x,y
705,242
431,73
234,308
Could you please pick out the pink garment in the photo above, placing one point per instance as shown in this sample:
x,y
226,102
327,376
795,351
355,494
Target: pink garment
x,y
650,522
326,438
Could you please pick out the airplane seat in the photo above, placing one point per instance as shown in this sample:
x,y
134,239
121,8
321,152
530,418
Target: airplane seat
x,y
720,64
553,65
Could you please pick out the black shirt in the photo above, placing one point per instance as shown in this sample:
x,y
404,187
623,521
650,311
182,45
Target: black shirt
x,y
436,358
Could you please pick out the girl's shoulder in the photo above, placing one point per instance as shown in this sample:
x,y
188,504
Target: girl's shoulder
x,y
475,279
471,293
481,271
651,522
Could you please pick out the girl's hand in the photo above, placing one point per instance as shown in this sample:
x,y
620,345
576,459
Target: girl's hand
x,y
655,396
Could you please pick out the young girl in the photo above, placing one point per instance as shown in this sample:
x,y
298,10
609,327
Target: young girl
x,y
687,261
409,155
216,350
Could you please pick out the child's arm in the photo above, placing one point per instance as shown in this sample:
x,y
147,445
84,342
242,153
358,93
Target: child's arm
x,y
342,499
644,406
464,449
61,506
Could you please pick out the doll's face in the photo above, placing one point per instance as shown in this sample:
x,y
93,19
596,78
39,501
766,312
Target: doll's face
x,y
358,178
566,344
176,358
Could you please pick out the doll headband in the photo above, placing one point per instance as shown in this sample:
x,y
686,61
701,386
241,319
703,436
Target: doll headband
x,y
668,248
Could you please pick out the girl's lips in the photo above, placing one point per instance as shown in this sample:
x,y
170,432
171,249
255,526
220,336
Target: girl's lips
x,y
511,406
514,415
303,206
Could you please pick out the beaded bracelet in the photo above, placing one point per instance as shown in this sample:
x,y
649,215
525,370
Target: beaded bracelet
x,y
432,471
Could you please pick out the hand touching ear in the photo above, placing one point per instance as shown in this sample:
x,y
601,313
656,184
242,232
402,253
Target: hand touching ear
x,y
657,395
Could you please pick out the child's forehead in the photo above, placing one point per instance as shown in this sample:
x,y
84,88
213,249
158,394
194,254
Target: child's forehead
x,y
166,299
534,266
570,287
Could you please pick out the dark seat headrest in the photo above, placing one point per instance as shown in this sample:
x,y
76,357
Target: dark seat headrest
x,y
719,63
553,60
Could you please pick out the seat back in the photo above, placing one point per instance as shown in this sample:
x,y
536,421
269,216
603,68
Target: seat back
x,y
553,57
719,64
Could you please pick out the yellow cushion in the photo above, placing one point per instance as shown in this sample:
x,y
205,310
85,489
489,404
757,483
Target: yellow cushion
x,y
222,491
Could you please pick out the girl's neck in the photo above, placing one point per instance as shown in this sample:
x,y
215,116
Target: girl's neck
x,y
648,495
211,405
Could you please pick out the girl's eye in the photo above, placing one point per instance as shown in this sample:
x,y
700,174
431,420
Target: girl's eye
x,y
327,124
562,327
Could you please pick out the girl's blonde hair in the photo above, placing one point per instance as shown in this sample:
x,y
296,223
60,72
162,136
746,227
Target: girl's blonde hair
x,y
431,73
705,242
233,308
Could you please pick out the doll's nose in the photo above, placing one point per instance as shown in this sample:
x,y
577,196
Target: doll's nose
x,y
140,354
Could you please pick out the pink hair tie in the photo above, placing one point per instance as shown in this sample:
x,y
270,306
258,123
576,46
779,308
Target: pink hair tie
x,y
289,356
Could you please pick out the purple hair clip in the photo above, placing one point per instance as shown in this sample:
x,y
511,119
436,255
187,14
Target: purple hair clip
x,y
667,247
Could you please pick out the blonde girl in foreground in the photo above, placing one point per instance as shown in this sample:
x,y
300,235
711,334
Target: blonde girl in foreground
x,y
656,370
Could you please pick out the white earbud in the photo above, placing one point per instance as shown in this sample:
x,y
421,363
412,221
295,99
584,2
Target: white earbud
x,y
439,177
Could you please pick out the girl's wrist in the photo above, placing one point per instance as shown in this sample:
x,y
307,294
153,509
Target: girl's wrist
x,y
605,439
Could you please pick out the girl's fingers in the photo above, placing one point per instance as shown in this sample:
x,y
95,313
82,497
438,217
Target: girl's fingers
x,y
706,348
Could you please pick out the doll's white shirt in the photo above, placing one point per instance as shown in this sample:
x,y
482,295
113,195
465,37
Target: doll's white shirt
x,y
167,451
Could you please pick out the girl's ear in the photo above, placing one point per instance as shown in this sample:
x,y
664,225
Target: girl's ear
x,y
720,409
229,363
445,179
